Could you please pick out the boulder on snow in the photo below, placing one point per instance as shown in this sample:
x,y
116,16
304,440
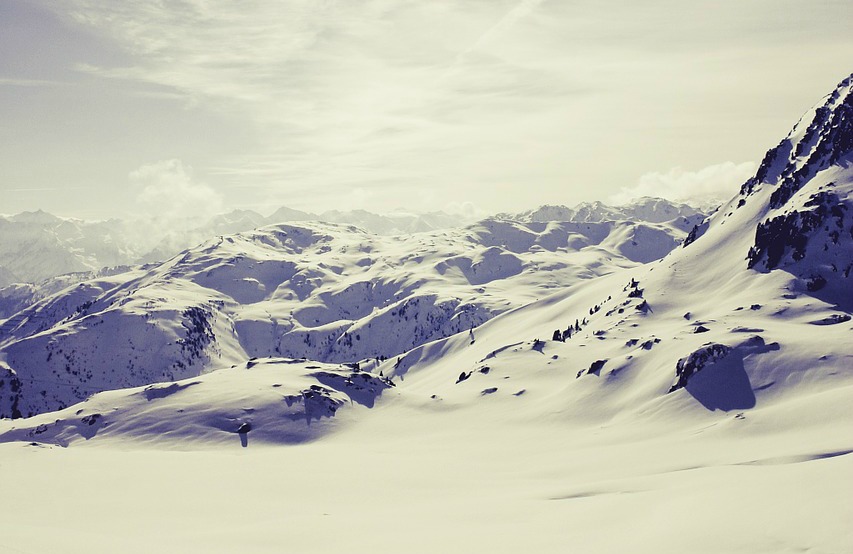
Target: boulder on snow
x,y
688,366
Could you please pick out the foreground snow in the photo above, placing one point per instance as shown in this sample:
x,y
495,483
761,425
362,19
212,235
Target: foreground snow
x,y
454,482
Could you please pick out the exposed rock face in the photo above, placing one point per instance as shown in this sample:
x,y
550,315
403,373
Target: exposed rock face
x,y
787,237
806,227
825,141
688,366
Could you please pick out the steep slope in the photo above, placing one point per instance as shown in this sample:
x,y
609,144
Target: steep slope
x,y
322,292
754,310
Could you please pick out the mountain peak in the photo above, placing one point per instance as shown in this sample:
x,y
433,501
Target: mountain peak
x,y
822,137
38,217
645,209
794,214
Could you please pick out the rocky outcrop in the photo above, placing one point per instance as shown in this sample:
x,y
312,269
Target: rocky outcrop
x,y
825,141
690,365
787,237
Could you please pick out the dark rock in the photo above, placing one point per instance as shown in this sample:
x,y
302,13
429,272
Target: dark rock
x,y
815,283
787,236
834,319
596,367
91,419
647,345
688,366
463,376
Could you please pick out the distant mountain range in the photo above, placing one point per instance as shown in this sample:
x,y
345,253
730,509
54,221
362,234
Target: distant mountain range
x,y
540,318
649,210
37,246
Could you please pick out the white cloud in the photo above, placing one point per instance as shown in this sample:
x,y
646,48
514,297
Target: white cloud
x,y
344,95
167,191
465,210
714,183
497,102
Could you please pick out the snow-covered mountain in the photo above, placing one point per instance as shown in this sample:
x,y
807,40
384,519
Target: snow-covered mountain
x,y
755,306
396,223
324,292
699,403
53,253
754,311
37,246
650,210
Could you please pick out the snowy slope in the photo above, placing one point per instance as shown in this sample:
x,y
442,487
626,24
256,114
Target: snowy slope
x,y
700,403
318,291
276,400
756,308
624,342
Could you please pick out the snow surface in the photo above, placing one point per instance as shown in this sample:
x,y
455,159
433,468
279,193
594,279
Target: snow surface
x,y
699,403
36,246
324,292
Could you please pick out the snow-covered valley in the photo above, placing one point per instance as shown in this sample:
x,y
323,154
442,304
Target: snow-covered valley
x,y
515,385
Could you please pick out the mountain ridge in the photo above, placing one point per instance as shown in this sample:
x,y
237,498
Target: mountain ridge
x,y
36,246
327,292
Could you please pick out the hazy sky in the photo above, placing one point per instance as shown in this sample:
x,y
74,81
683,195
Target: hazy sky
x,y
109,107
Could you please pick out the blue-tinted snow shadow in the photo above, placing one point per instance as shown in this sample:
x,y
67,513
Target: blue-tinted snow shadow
x,y
723,386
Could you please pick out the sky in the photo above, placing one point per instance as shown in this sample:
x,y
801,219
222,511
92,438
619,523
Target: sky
x,y
121,108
